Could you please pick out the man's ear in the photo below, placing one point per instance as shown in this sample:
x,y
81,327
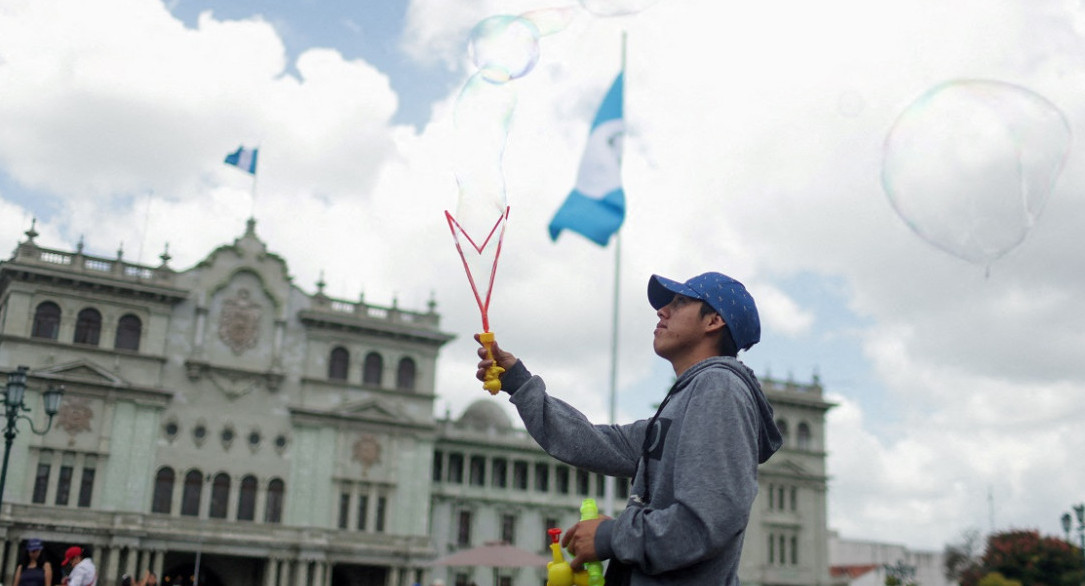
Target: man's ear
x,y
715,322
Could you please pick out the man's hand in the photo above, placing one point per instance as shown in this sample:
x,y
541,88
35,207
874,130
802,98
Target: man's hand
x,y
500,357
579,540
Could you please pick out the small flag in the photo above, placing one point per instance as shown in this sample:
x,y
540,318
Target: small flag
x,y
244,159
596,206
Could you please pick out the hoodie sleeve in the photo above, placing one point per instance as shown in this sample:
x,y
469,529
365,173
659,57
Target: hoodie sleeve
x,y
566,434
704,486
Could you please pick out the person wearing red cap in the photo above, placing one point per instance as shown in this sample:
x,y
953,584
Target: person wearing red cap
x,y
83,572
32,569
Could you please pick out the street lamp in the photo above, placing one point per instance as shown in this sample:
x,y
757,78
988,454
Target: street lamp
x,y
14,409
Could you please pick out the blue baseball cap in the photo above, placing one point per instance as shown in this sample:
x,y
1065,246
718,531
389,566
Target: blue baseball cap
x,y
726,296
33,544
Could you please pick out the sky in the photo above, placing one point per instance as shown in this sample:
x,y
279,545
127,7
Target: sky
x,y
935,292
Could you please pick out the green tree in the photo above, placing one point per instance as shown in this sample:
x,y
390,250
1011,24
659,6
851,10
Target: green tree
x,y
1026,557
996,579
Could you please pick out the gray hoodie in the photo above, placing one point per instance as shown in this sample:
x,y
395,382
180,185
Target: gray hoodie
x,y
712,432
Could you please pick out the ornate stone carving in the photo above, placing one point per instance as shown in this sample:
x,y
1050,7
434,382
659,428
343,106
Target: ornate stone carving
x,y
74,416
239,323
367,450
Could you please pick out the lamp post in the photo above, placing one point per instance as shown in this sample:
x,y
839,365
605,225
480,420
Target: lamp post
x,y
14,409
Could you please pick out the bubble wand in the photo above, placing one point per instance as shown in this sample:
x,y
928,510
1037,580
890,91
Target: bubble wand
x,y
492,380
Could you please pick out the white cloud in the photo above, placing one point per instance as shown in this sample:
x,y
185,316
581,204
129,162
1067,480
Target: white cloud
x,y
754,148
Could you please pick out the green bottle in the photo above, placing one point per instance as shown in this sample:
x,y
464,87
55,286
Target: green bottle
x,y
589,510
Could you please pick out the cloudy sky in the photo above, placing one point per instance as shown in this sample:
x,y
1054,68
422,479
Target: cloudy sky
x,y
758,133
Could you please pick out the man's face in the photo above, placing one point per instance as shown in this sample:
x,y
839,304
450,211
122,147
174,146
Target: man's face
x,y
680,327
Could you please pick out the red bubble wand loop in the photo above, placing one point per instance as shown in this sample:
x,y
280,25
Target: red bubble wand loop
x,y
492,380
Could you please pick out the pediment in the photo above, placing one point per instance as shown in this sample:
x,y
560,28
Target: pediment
x,y
373,410
785,467
83,371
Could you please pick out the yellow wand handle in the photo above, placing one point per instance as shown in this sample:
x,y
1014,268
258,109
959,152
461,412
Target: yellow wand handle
x,y
492,380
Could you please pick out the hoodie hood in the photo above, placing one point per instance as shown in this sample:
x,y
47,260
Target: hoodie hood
x,y
769,439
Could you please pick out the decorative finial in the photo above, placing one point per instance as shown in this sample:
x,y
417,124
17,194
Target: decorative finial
x,y
432,303
79,245
250,226
120,251
31,234
320,283
165,256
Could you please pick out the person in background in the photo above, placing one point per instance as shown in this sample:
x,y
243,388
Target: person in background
x,y
33,570
83,572
149,579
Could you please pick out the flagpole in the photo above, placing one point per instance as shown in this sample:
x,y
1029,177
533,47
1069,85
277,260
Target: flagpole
x,y
252,193
608,484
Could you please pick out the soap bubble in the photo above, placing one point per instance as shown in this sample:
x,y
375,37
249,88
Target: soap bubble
x,y
504,47
615,7
970,164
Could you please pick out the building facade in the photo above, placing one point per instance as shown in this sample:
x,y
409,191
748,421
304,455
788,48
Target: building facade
x,y
221,421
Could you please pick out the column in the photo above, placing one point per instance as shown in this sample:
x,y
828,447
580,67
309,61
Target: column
x,y
157,559
284,573
318,573
301,572
130,563
11,549
235,491
111,561
271,567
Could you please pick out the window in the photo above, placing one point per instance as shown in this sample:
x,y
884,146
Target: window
x,y
190,495
344,509
88,327
542,477
41,479
508,529
163,491
338,363
772,549
794,498
64,482
374,369
478,471
804,436
46,321
794,550
782,553
463,531
780,498
582,482
382,506
782,426
519,475
600,485
455,468
500,473
275,491
129,330
405,375
549,523
561,479
363,511
438,468
772,501
86,482
220,495
246,499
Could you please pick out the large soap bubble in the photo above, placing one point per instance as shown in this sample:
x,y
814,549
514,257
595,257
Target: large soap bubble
x,y
504,47
970,164
615,7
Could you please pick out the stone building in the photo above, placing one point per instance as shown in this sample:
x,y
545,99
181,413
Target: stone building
x,y
220,419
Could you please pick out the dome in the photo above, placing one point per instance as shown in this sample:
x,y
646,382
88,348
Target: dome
x,y
484,414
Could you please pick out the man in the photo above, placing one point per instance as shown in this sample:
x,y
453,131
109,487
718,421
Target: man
x,y
693,464
83,572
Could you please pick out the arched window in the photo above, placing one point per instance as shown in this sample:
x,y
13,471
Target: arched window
x,y
803,436
246,499
88,327
405,375
163,491
129,330
190,496
374,369
220,495
782,426
338,363
46,321
275,494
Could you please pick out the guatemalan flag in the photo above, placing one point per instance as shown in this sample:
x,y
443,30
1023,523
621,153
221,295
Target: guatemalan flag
x,y
244,159
596,206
